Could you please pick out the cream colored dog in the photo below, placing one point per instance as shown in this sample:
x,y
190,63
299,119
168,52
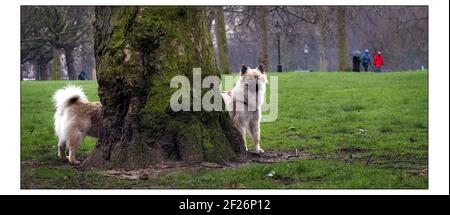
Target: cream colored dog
x,y
75,117
244,102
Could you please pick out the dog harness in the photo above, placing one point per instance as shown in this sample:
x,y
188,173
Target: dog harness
x,y
235,102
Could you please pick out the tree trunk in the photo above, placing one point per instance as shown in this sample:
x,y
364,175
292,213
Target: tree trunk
x,y
261,21
88,57
70,61
342,39
222,44
23,67
323,46
42,70
88,62
94,74
323,30
323,66
56,65
138,51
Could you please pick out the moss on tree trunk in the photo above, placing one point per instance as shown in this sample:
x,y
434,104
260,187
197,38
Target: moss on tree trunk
x,y
138,51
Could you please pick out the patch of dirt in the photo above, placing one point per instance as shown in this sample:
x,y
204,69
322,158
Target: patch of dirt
x,y
152,172
283,180
51,162
412,139
276,156
167,168
354,150
416,165
419,172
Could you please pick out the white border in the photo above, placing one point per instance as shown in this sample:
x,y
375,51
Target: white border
x,y
438,98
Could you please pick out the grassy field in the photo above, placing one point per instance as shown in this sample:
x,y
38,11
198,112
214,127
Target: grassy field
x,y
365,130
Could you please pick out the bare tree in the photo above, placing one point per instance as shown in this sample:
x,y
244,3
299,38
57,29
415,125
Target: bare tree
x,y
400,32
261,20
323,28
342,38
52,27
222,43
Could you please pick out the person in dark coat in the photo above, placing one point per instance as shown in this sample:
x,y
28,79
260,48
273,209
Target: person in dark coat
x,y
82,76
356,61
366,60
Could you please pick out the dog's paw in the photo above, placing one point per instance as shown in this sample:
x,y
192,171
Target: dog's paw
x,y
259,150
75,163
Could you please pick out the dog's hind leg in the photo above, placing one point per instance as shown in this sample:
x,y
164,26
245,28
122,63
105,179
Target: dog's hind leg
x,y
73,142
61,148
254,130
241,127
242,130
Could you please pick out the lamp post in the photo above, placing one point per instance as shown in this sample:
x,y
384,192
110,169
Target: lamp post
x,y
305,51
278,31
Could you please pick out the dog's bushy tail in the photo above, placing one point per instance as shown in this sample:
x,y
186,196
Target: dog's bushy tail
x,y
68,95
62,99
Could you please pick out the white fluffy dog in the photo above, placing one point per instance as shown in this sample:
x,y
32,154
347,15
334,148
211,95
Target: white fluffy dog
x,y
244,102
75,117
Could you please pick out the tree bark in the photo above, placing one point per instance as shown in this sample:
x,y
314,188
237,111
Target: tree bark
x,y
342,39
138,51
263,41
56,65
70,61
22,68
42,67
222,43
323,29
88,61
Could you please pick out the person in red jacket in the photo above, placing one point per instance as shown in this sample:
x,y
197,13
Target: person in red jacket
x,y
378,61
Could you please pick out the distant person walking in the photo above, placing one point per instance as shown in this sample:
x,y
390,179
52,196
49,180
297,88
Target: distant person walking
x,y
82,76
366,60
356,61
378,61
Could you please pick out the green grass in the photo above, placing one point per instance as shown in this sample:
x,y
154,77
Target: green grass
x,y
366,130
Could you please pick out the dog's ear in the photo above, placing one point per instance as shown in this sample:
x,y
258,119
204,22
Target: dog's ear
x,y
261,68
243,69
